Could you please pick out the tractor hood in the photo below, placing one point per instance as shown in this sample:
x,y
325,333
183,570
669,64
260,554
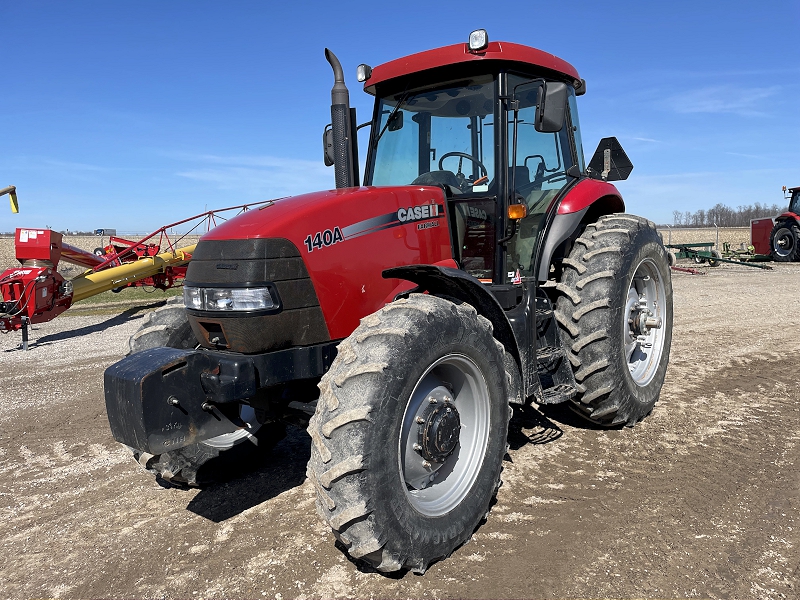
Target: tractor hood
x,y
323,251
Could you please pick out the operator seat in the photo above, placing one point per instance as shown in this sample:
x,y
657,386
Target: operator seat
x,y
438,178
521,175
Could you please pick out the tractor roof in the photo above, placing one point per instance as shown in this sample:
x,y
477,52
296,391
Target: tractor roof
x,y
459,54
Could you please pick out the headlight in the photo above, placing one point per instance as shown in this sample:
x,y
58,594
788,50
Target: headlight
x,y
228,299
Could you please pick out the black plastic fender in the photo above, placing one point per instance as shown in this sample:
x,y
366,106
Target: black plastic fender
x,y
446,281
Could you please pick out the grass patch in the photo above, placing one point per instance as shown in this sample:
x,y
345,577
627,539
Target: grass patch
x,y
109,303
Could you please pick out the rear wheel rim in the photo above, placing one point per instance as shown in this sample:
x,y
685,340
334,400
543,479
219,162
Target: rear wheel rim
x,y
644,319
784,242
432,488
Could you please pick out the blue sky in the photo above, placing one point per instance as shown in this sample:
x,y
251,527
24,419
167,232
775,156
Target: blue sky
x,y
132,115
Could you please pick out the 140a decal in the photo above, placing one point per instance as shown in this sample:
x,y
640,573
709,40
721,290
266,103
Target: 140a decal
x,y
323,239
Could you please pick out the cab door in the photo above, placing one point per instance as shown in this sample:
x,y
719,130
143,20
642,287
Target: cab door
x,y
538,165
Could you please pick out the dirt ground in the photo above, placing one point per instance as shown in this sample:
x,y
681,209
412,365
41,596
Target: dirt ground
x,y
699,500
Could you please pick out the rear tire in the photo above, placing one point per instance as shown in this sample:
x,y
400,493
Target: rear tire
x,y
784,242
213,459
617,271
394,498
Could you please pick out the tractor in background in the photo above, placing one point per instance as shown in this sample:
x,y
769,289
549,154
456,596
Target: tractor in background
x,y
779,237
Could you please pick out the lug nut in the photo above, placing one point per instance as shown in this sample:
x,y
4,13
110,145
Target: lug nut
x,y
173,401
207,406
426,464
420,420
433,400
417,447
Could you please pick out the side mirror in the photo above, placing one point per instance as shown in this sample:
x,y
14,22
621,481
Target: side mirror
x,y
395,122
609,163
327,145
551,111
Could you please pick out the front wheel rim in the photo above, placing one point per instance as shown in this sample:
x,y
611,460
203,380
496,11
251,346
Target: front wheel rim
x,y
644,322
226,441
435,488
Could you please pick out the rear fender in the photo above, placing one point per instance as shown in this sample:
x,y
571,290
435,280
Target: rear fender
x,y
787,216
455,283
586,202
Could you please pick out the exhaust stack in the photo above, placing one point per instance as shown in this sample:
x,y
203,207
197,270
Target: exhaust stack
x,y
343,128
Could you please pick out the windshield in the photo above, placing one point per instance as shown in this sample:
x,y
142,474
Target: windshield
x,y
438,137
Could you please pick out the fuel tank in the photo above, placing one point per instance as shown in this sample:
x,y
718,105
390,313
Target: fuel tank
x,y
323,254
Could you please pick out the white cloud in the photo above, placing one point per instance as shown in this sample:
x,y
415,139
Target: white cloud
x,y
731,99
267,176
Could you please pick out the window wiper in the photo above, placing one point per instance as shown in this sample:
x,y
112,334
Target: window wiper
x,y
400,103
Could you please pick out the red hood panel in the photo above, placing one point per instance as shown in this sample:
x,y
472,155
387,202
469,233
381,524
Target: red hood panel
x,y
347,237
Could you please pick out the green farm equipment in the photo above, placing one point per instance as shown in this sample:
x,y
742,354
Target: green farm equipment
x,y
704,252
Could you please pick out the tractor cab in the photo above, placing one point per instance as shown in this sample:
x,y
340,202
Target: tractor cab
x,y
479,138
493,124
794,201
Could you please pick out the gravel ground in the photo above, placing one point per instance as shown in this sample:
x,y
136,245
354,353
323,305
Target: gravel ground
x,y
699,500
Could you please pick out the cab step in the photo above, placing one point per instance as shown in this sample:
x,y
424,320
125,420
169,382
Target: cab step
x,y
546,355
557,394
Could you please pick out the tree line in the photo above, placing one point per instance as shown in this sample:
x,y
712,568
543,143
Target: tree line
x,y
725,216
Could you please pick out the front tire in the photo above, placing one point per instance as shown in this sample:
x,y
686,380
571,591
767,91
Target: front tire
x,y
615,318
213,459
784,242
410,432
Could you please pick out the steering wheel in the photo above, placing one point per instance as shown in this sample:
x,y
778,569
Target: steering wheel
x,y
459,175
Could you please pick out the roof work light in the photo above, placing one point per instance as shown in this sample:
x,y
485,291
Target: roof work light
x,y
478,40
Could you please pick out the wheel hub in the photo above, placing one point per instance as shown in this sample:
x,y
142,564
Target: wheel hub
x,y
641,321
442,447
439,429
642,330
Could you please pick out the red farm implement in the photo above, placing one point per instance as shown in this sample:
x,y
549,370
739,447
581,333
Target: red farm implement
x,y
35,292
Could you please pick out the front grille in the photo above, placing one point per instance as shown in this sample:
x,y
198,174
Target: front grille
x,y
220,263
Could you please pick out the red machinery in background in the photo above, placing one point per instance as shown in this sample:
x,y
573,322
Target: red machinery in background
x,y
35,292
760,230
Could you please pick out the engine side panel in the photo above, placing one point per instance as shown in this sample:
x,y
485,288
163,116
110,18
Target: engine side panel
x,y
346,238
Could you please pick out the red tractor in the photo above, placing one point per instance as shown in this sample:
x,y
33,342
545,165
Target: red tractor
x,y
784,240
481,265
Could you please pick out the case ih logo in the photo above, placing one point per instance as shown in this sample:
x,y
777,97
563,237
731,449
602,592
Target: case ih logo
x,y
418,213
